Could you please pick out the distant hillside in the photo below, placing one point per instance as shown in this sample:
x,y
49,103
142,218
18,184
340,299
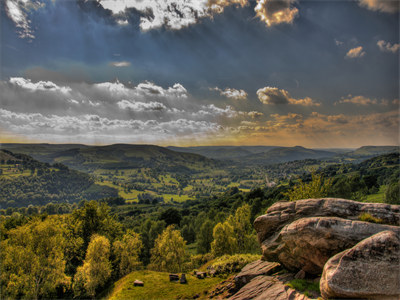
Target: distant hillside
x,y
117,156
223,152
372,151
25,181
285,154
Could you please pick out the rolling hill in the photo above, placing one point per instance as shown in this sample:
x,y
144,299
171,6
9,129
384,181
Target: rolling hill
x,y
117,156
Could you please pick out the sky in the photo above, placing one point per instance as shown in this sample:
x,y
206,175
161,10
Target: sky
x,y
321,74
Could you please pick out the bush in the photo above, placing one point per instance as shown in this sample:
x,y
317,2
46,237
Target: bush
x,y
231,263
366,217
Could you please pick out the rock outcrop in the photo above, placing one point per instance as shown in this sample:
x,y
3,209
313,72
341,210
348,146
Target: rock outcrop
x,y
307,244
371,269
283,213
269,287
255,269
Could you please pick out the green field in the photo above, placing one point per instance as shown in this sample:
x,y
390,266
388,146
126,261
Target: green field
x,y
158,286
378,197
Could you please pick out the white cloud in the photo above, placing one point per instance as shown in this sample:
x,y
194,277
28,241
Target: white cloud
x,y
387,6
275,96
255,114
355,52
388,47
120,64
274,12
18,11
231,93
39,86
214,111
141,106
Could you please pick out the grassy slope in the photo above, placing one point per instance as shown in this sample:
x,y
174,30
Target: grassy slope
x,y
158,286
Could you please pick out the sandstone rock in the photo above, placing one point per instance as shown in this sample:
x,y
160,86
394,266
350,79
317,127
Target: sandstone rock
x,y
138,283
371,269
283,213
308,243
183,279
254,269
300,275
268,287
173,277
201,275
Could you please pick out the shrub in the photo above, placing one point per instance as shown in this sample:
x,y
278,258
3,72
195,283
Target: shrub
x,y
231,263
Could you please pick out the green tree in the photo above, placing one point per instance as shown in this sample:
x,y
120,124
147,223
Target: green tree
x,y
224,241
392,194
32,260
169,252
317,188
127,252
96,268
205,237
243,230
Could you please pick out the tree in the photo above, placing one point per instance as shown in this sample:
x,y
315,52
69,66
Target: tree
x,y
318,187
96,268
205,237
169,252
392,194
245,235
127,252
171,216
224,241
32,260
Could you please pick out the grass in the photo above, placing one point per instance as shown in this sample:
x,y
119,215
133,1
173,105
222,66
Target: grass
x,y
158,286
378,197
304,286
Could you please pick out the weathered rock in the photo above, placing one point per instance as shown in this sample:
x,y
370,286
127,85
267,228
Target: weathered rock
x,y
371,269
173,277
308,243
224,289
201,275
300,275
183,279
138,283
254,269
268,287
283,213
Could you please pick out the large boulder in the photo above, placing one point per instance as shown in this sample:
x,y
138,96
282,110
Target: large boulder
x,y
269,287
307,244
371,269
283,213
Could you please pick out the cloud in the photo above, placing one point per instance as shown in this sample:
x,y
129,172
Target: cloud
x,y
387,6
141,106
388,47
361,100
275,96
355,52
120,64
18,11
231,93
255,114
274,12
38,86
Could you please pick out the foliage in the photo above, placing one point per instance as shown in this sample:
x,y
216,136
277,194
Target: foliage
x,y
96,268
317,188
304,285
366,217
127,252
32,260
169,252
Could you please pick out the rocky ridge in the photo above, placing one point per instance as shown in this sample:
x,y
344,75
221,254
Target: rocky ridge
x,y
357,259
